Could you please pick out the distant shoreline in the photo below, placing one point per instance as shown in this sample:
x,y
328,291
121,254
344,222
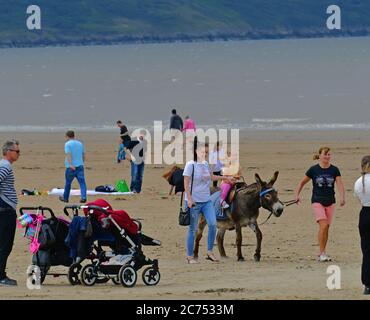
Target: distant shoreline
x,y
320,137
127,40
102,130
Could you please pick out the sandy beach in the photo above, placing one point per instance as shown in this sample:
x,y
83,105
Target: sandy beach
x,y
288,268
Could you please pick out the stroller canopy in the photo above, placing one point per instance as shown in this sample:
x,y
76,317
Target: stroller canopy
x,y
120,216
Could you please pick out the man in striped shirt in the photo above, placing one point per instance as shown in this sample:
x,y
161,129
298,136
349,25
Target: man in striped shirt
x,y
8,204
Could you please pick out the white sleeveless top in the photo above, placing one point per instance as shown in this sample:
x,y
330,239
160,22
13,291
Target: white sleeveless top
x,y
364,197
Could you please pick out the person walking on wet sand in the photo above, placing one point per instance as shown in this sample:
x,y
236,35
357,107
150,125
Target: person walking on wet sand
x,y
176,124
323,175
8,205
189,129
74,162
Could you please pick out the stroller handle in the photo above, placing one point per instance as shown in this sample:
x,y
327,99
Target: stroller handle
x,y
73,207
93,207
41,209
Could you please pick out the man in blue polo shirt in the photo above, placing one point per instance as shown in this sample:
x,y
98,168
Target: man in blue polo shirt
x,y
74,162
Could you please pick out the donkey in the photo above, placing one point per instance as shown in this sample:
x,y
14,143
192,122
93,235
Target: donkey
x,y
244,212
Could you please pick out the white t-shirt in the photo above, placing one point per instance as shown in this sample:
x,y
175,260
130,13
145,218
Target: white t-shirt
x,y
358,190
202,180
214,159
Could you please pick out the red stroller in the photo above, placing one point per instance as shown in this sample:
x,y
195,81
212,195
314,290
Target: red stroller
x,y
120,265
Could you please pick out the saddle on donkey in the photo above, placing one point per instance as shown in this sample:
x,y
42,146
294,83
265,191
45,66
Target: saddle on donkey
x,y
223,214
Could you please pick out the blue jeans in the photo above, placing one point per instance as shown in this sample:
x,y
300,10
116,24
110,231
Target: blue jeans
x,y
70,175
121,155
209,213
137,172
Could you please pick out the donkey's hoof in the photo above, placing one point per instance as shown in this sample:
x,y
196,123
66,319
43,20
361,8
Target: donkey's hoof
x,y
257,257
241,258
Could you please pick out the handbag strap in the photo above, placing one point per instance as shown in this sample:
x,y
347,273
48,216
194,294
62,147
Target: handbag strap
x,y
191,187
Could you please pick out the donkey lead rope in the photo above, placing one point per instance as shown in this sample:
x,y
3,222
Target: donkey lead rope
x,y
289,203
286,204
260,224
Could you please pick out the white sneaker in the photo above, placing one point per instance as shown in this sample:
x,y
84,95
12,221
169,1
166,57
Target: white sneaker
x,y
224,205
323,257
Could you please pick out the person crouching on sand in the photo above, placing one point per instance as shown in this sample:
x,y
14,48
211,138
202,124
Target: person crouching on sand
x,y
323,175
175,179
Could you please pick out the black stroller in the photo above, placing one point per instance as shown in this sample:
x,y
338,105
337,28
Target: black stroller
x,y
124,237
47,244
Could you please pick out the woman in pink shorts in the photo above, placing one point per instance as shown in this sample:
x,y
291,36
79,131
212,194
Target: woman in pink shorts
x,y
324,175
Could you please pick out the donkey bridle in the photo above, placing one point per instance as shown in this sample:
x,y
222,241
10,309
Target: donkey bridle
x,y
285,204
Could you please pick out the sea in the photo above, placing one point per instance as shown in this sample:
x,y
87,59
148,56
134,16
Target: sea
x,y
295,84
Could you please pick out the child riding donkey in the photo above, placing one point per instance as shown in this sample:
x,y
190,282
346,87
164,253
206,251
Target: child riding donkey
x,y
232,169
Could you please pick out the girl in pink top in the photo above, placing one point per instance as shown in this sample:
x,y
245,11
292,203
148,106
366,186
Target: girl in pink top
x,y
189,128
231,169
189,124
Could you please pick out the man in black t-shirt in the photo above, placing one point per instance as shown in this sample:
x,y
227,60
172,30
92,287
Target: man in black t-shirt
x,y
176,125
124,141
176,121
124,135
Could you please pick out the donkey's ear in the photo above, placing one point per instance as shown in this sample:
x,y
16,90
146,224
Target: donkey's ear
x,y
258,179
274,178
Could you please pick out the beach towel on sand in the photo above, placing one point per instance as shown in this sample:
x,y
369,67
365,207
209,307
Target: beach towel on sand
x,y
77,192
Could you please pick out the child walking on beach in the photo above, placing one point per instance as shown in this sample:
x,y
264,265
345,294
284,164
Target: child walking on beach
x,y
323,175
233,170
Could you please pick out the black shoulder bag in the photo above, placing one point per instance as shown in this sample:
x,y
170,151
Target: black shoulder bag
x,y
184,216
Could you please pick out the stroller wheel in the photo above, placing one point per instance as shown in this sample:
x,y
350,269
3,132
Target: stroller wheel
x,y
127,276
73,274
151,276
36,275
116,280
88,276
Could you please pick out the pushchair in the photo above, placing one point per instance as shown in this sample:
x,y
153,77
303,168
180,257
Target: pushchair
x,y
47,234
47,244
126,257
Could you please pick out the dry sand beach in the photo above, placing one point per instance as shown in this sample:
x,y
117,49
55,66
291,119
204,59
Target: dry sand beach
x,y
288,268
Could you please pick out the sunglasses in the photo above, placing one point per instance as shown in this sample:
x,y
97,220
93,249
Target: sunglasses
x,y
17,151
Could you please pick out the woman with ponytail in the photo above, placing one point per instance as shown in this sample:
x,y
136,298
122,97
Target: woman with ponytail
x,y
197,181
323,175
362,192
